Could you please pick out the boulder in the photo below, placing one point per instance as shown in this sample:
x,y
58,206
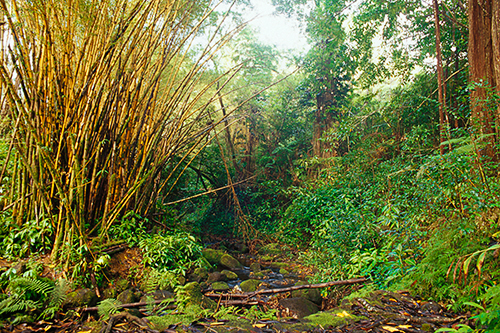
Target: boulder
x,y
216,276
109,293
127,296
249,285
230,275
314,295
192,293
80,298
230,262
299,306
212,256
220,286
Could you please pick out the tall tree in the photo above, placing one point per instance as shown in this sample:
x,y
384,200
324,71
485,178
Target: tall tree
x,y
484,60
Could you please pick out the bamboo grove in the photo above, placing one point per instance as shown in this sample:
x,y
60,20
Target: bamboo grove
x,y
100,96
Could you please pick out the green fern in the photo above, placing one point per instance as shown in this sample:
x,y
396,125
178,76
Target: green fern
x,y
56,300
155,279
108,307
15,304
24,285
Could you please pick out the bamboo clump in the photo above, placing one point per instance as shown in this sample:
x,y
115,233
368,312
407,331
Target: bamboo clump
x,y
102,97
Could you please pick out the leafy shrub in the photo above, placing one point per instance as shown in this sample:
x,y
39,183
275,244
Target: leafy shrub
x,y
29,238
173,251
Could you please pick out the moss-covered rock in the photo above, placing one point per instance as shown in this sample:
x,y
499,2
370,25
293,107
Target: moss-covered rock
x,y
109,293
230,275
255,267
249,285
334,318
81,298
300,306
212,256
280,265
201,272
230,262
192,295
314,295
127,296
121,285
257,275
216,276
284,271
220,286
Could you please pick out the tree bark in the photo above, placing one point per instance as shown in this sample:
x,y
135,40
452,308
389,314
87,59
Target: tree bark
x,y
484,61
441,86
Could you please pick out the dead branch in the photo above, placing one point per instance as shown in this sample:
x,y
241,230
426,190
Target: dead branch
x,y
282,290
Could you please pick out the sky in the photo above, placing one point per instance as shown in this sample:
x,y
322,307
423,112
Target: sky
x,y
271,29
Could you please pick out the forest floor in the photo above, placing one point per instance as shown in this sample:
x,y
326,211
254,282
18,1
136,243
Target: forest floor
x,y
344,309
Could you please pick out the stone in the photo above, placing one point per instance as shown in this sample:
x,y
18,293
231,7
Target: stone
x,y
230,262
249,285
193,295
314,295
201,272
109,293
255,267
280,265
212,256
299,306
431,307
220,286
80,298
126,297
230,275
216,276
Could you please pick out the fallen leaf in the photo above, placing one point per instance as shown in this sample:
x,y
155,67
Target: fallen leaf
x,y
391,329
121,324
85,331
259,325
404,326
343,314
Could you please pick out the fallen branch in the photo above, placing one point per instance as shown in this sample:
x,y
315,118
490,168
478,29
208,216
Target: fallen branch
x,y
282,290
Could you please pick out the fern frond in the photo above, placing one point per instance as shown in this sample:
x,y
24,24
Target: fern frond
x,y
108,307
15,304
58,295
22,284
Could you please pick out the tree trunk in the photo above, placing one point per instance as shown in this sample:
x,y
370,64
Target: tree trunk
x,y
484,61
441,87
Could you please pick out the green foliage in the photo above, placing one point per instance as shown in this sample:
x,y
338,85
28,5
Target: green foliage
x,y
154,279
29,238
257,313
130,228
108,307
33,296
176,251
